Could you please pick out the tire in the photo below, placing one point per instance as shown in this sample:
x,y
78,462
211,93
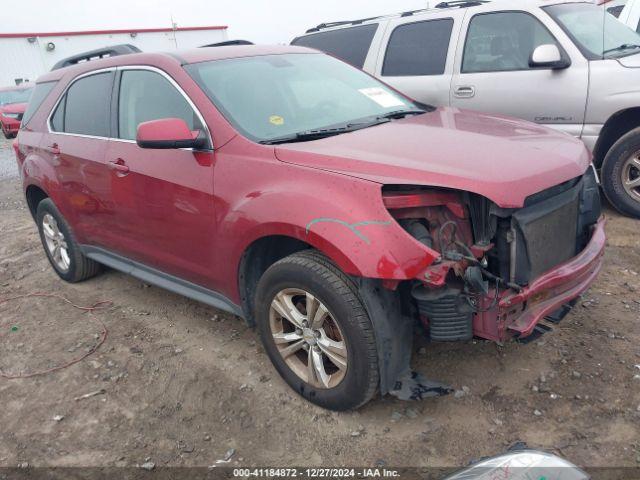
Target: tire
x,y
615,168
347,322
7,135
78,267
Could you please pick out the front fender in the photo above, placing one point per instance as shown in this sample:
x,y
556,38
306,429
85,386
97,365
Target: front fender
x,y
298,232
360,236
341,216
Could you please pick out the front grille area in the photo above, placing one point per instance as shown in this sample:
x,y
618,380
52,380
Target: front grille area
x,y
553,226
545,235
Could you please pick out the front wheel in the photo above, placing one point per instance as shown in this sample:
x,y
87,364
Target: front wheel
x,y
621,174
316,331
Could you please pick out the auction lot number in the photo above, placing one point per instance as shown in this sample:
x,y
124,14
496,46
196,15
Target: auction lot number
x,y
315,472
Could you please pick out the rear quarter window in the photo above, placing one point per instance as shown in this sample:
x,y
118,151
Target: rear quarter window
x,y
348,44
418,48
38,96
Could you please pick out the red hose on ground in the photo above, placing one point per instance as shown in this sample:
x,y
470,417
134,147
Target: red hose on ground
x,y
96,306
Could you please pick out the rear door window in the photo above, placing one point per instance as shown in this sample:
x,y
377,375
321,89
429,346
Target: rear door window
x,y
418,48
348,44
85,108
146,96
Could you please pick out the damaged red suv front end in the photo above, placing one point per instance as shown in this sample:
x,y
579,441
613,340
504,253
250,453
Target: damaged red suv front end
x,y
504,215
499,272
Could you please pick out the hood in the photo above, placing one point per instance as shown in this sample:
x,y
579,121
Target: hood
x,y
14,108
503,159
630,61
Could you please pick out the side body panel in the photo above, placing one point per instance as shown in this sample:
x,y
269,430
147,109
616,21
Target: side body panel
x,y
612,89
80,177
34,169
80,173
163,209
162,205
162,214
35,165
256,196
555,98
429,89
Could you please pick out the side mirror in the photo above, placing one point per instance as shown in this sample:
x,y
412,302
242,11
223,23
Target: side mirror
x,y
168,133
548,56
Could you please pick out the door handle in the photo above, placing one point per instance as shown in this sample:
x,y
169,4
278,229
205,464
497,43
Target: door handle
x,y
53,148
118,165
466,91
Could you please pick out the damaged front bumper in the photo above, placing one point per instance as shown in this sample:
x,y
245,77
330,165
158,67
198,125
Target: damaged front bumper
x,y
518,313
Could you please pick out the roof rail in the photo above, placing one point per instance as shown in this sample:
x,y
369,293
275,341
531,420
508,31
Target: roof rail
x,y
411,12
228,43
340,23
461,3
444,4
113,51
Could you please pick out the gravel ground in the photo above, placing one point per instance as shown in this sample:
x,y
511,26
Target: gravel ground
x,y
8,168
181,384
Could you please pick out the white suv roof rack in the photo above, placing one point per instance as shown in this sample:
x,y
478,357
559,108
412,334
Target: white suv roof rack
x,y
444,4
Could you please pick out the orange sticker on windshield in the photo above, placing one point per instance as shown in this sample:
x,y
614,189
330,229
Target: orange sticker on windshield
x,y
276,120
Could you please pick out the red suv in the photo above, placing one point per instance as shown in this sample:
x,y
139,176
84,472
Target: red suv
x,y
293,190
13,102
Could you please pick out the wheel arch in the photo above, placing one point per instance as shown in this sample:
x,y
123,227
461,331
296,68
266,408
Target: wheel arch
x,y
34,194
267,249
616,126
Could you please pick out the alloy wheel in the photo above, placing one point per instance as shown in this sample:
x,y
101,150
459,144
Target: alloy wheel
x,y
56,243
308,338
631,176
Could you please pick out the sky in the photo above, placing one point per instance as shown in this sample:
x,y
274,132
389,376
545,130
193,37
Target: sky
x,y
275,21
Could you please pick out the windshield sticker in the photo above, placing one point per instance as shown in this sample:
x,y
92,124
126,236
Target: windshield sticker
x,y
382,97
276,120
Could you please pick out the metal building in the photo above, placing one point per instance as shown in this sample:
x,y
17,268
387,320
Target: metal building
x,y
25,56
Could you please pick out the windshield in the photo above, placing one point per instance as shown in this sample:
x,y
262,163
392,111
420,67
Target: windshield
x,y
15,96
275,96
596,32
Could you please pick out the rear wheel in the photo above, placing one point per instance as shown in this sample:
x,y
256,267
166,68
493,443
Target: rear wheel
x,y
316,331
60,245
621,174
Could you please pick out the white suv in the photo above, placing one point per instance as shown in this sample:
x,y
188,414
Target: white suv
x,y
571,66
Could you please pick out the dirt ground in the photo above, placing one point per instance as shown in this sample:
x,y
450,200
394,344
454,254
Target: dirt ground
x,y
181,384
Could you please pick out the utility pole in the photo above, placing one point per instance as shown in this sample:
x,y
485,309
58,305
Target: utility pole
x,y
174,27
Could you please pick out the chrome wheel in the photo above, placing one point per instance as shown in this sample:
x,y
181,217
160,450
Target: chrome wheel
x,y
56,243
631,176
308,338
